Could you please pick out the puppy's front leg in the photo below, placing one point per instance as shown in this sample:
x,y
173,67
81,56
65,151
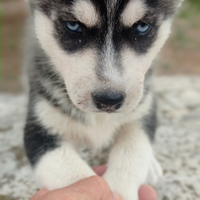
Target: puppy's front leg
x,y
129,161
56,164
61,167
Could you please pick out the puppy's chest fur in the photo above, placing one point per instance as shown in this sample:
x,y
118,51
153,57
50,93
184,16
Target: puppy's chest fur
x,y
92,156
96,131
91,138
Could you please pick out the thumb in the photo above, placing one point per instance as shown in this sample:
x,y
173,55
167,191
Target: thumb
x,y
92,188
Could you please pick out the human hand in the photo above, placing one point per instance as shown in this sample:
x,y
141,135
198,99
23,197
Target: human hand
x,y
92,188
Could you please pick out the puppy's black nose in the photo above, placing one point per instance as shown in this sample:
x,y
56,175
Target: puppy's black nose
x,y
108,102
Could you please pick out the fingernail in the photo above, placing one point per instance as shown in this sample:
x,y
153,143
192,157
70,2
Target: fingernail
x,y
117,196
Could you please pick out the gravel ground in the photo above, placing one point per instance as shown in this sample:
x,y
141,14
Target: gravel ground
x,y
177,144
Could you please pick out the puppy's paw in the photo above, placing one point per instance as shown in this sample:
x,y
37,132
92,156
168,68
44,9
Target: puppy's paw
x,y
126,189
155,172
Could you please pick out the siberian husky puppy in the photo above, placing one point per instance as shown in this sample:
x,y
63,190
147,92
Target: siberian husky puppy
x,y
90,89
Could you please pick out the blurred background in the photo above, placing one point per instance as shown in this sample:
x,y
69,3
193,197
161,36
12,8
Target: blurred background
x,y
181,54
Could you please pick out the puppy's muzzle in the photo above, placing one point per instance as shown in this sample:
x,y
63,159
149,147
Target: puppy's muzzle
x,y
108,102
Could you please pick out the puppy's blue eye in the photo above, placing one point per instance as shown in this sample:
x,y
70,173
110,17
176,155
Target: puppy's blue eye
x,y
73,26
143,28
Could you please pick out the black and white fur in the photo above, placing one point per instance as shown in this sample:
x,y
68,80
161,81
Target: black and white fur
x,y
67,69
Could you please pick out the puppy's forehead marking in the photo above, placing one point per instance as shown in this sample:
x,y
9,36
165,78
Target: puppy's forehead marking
x,y
111,8
86,13
133,12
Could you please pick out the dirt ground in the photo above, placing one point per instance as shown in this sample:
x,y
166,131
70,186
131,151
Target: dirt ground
x,y
181,54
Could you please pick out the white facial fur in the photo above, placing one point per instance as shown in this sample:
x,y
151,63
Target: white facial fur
x,y
136,66
86,13
78,69
133,12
